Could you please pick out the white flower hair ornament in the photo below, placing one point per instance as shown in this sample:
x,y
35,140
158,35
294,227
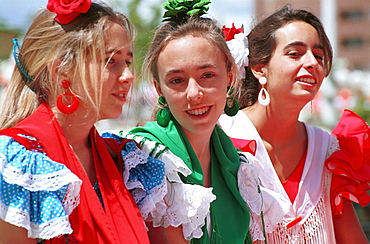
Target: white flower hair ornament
x,y
238,46
239,50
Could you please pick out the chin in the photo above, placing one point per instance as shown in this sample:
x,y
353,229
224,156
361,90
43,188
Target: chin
x,y
110,115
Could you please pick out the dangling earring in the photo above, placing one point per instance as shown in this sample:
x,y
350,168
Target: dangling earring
x,y
266,101
164,114
232,105
67,108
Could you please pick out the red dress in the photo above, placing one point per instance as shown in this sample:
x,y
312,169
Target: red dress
x,y
120,220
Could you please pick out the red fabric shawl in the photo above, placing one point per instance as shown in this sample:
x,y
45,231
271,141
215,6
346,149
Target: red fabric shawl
x,y
120,221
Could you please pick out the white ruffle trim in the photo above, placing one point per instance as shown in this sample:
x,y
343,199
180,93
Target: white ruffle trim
x,y
33,183
183,204
149,203
259,198
45,182
178,203
45,231
187,205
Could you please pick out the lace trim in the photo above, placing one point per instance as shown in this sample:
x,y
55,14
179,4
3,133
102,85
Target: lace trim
x,y
48,182
147,201
33,183
183,204
48,230
317,228
259,199
178,203
314,230
334,146
186,205
131,160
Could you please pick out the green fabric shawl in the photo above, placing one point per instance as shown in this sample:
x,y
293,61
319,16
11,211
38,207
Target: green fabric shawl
x,y
229,213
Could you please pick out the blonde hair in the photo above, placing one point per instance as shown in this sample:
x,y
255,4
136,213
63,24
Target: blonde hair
x,y
46,44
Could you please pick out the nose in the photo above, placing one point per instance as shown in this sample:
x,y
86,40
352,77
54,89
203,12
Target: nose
x,y
310,61
126,76
194,91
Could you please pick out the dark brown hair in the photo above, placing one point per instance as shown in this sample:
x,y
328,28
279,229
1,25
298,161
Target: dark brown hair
x,y
262,43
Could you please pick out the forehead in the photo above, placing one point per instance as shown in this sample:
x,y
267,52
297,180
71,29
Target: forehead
x,y
297,31
116,37
189,49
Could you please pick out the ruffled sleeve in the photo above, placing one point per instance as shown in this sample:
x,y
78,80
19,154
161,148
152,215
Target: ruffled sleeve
x,y
267,207
177,203
144,176
351,164
36,193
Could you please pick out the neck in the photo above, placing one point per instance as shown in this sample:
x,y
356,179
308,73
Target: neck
x,y
278,126
201,147
283,135
76,129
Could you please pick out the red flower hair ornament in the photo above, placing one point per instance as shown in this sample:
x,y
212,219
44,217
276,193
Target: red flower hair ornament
x,y
238,46
68,10
230,32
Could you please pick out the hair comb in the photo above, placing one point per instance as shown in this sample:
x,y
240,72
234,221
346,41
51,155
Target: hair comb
x,y
16,49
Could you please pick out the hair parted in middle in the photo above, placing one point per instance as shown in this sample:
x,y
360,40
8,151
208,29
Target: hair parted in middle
x,y
262,43
197,26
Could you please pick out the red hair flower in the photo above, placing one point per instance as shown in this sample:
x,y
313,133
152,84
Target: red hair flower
x,y
230,32
68,10
238,46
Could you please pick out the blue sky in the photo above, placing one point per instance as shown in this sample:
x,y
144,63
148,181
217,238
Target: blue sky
x,y
18,13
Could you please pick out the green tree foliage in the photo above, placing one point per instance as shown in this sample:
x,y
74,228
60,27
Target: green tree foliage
x,y
145,24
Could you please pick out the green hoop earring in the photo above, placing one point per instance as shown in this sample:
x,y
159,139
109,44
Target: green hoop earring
x,y
232,105
163,115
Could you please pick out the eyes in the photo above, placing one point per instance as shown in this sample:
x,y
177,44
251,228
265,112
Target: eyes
x,y
206,76
297,54
113,60
117,61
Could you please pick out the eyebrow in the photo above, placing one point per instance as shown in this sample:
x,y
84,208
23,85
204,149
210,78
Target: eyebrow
x,y
302,44
114,51
175,71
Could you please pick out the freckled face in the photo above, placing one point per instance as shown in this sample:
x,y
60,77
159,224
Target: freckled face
x,y
193,79
116,74
295,71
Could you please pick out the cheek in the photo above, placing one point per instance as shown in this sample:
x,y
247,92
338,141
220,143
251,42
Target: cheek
x,y
173,99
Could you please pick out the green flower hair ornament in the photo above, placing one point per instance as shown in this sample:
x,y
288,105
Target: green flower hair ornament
x,y
180,10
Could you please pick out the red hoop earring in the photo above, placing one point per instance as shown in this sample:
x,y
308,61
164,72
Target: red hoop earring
x,y
67,108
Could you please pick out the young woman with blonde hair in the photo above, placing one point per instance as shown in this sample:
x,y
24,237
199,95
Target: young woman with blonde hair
x,y
60,182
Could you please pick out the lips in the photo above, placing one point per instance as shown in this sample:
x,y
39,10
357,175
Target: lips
x,y
120,95
198,111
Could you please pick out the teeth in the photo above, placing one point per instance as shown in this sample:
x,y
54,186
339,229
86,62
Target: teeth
x,y
198,111
307,80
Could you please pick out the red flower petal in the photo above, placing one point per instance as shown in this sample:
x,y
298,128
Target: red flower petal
x,y
68,10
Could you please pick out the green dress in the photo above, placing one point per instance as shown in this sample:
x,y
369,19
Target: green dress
x,y
229,213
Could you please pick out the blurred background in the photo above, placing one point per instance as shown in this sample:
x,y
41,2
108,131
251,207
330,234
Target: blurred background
x,y
347,24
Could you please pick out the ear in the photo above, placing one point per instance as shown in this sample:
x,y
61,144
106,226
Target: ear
x,y
259,70
231,81
157,87
54,71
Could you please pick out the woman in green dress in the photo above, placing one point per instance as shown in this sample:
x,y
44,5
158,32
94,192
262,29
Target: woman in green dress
x,y
193,73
